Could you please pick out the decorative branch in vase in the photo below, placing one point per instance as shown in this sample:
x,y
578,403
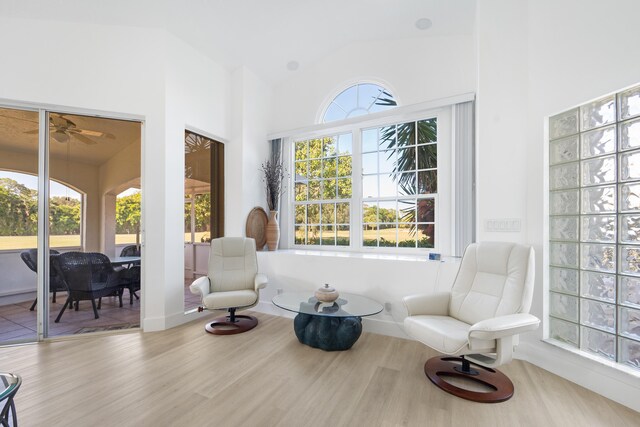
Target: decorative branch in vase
x,y
273,177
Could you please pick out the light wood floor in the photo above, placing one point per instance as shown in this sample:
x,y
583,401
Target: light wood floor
x,y
186,377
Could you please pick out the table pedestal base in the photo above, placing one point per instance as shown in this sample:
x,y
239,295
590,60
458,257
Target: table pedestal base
x,y
327,333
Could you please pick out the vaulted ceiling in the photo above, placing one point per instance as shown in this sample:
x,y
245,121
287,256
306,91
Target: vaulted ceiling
x,y
264,35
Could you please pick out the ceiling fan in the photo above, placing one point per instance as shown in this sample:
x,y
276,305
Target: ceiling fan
x,y
62,129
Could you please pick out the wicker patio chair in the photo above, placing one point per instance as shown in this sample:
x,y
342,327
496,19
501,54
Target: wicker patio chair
x,y
30,257
89,276
130,277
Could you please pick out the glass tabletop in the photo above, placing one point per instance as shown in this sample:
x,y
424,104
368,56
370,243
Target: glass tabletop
x,y
347,305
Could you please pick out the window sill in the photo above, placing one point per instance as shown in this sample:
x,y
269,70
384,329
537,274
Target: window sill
x,y
614,365
359,255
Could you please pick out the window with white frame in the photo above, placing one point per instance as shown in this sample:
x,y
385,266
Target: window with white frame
x,y
359,100
594,227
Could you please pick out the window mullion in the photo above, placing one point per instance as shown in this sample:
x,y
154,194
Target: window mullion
x,y
356,191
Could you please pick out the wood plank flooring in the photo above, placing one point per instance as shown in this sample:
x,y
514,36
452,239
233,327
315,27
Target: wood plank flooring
x,y
265,377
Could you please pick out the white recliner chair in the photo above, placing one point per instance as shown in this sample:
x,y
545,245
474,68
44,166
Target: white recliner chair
x,y
478,322
233,283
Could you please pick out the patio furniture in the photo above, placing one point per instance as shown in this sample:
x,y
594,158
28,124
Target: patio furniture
x,y
233,283
130,277
9,385
478,322
89,276
30,258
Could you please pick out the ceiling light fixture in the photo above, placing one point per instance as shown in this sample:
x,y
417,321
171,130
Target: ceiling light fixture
x,y
292,65
423,24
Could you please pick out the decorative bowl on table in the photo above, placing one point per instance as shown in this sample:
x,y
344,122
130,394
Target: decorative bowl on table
x,y
326,293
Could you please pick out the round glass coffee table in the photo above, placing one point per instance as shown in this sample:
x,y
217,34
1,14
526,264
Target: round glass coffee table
x,y
329,326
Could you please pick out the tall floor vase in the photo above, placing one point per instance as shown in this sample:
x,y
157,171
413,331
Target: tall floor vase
x,y
273,231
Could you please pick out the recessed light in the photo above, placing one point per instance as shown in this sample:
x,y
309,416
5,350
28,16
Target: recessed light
x,y
423,24
292,65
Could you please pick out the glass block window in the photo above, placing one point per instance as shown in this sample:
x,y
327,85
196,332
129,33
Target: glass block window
x,y
323,190
594,227
359,100
400,185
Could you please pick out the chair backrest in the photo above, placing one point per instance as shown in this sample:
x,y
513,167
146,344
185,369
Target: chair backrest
x,y
30,257
131,250
83,270
233,264
494,279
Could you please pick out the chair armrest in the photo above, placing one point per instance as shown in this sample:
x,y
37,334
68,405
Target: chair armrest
x,y
503,326
200,286
261,281
436,304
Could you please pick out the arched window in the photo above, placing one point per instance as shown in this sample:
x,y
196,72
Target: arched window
x,y
359,100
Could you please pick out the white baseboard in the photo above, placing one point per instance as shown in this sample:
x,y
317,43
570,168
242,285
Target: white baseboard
x,y
605,380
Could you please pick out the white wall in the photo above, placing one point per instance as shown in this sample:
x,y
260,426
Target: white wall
x,y
134,71
415,70
537,58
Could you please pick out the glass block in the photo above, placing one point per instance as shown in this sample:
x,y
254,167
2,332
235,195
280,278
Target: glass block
x,y
629,292
598,113
630,197
597,200
630,166
600,286
563,176
629,352
630,228
564,202
598,257
598,342
598,228
563,124
629,134
563,331
630,260
601,170
598,142
563,228
597,314
629,322
629,103
563,254
563,280
563,306
563,150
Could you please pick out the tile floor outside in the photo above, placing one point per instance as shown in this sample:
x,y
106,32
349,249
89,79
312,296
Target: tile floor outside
x,y
17,323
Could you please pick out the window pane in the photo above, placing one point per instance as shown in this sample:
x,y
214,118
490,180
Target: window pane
x,y
388,186
369,212
344,188
343,236
370,186
313,213
328,235
342,213
369,140
345,144
370,163
302,148
370,235
301,192
300,235
427,131
387,161
427,156
387,235
301,214
328,213
345,166
313,235
329,189
329,168
426,210
329,145
387,212
426,236
314,190
301,171
427,182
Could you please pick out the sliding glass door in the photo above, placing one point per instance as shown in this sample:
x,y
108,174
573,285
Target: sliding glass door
x,y
69,183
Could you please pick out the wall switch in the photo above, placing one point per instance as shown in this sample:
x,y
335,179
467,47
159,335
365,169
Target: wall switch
x,y
503,225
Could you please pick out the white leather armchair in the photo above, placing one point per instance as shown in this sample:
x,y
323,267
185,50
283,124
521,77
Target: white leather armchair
x,y
233,283
479,320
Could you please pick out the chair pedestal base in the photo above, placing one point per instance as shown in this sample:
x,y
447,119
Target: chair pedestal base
x,y
225,326
438,367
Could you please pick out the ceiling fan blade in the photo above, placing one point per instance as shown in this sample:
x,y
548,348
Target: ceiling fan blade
x,y
84,139
18,118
